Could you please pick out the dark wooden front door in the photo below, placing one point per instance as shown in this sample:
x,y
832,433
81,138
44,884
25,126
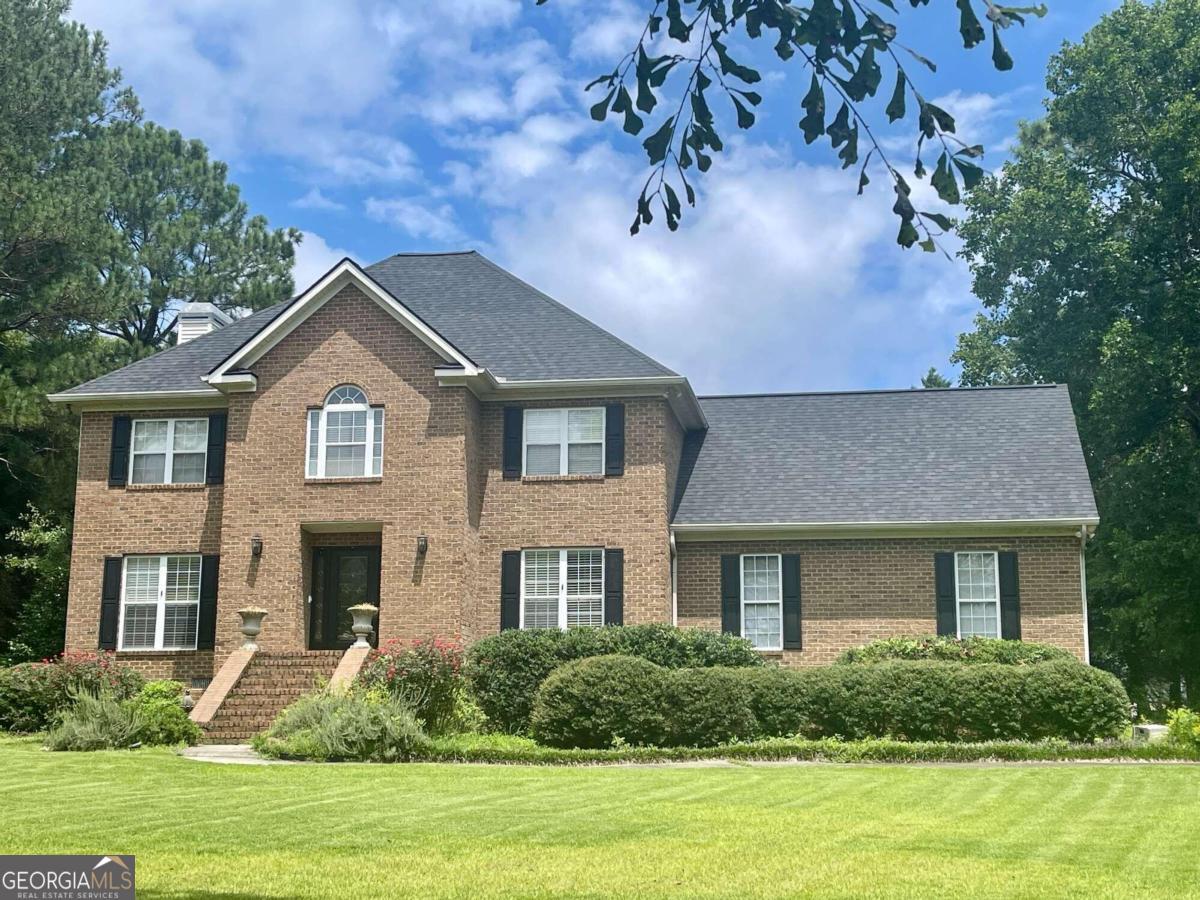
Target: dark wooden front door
x,y
341,577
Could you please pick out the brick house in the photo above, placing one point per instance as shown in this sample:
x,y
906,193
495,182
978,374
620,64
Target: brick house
x,y
434,436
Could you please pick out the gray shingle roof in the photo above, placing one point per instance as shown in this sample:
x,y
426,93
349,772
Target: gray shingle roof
x,y
959,455
495,319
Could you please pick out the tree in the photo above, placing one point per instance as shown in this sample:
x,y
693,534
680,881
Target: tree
x,y
847,45
1085,251
934,379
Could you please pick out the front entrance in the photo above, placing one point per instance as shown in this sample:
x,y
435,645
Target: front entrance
x,y
341,577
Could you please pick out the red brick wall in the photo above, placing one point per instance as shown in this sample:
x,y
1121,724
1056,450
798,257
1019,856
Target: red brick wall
x,y
857,590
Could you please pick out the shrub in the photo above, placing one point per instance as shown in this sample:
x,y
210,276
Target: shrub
x,y
427,673
363,726
96,722
950,649
1072,701
1183,728
601,701
163,720
708,707
33,695
505,670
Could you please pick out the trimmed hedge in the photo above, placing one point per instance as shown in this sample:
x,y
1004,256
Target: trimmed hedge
x,y
950,649
505,670
912,701
602,701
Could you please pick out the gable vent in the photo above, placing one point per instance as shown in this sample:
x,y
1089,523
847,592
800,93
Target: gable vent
x,y
196,319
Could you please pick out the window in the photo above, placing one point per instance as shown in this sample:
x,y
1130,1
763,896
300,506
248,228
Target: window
x,y
160,602
564,441
762,601
345,436
168,451
562,588
977,591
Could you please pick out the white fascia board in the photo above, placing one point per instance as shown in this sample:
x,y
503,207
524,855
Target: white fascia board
x,y
202,398
733,531
344,273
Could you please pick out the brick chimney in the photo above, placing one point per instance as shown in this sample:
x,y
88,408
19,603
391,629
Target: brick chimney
x,y
196,319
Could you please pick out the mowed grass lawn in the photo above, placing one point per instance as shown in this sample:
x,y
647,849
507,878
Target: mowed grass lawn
x,y
202,829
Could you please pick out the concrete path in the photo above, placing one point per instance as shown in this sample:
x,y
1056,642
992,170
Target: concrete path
x,y
235,754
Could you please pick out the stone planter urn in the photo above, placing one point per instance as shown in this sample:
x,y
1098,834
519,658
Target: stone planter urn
x,y
252,617
363,614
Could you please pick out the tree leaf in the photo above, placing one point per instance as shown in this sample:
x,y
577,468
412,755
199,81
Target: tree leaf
x,y
813,123
730,66
942,221
600,110
943,180
839,128
968,25
659,143
895,107
624,104
908,234
971,173
1000,58
745,118
676,27
928,245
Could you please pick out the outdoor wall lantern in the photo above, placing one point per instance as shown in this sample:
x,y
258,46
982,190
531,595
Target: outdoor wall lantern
x,y
256,546
422,544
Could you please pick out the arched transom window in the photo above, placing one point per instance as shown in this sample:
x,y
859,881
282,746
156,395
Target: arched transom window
x,y
345,436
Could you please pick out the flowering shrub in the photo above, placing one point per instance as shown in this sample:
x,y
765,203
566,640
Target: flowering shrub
x,y
33,695
1183,727
426,673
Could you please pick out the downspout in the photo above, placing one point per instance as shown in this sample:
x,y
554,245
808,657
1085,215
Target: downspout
x,y
674,578
1083,539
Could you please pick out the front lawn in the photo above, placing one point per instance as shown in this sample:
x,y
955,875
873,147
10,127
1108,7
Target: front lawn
x,y
476,831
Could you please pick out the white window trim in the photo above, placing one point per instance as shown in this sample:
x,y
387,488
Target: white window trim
x,y
562,583
563,445
322,443
958,601
160,614
742,595
169,465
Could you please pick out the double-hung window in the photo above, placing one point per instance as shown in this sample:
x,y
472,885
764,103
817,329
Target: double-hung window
x,y
762,601
160,602
562,588
977,593
564,441
345,436
168,451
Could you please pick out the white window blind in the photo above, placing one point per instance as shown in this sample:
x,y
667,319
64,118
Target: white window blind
x,y
160,602
564,441
345,436
562,588
168,451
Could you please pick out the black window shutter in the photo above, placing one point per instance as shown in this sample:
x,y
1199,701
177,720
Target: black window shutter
x,y
510,589
118,458
731,593
947,608
791,602
206,625
514,421
614,587
110,603
1010,596
216,448
614,439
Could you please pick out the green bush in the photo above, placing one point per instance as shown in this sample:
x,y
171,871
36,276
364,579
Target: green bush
x,y
96,722
332,726
33,695
1073,701
1183,728
163,720
950,649
707,707
602,701
505,670
426,673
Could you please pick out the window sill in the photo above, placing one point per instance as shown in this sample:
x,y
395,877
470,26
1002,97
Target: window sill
x,y
346,479
190,486
543,478
152,652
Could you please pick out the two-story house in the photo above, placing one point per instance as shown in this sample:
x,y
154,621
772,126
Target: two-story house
x,y
434,436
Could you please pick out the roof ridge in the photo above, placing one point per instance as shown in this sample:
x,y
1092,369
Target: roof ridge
x,y
869,391
428,253
582,318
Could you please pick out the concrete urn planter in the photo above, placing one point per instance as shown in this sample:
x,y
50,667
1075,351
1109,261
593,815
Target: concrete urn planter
x,y
363,614
252,618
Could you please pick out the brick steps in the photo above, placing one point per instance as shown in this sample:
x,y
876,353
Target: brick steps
x,y
271,681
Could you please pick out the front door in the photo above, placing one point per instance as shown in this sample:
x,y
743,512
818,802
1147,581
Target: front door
x,y
342,577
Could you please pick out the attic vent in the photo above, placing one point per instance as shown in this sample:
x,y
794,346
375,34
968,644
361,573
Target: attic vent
x,y
196,319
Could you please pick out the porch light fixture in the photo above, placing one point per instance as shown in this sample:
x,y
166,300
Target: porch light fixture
x,y
422,544
256,546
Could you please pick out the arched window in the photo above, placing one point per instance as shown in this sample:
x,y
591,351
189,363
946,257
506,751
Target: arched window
x,y
345,436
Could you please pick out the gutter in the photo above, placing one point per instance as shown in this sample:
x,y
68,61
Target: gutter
x,y
716,531
674,578
1084,535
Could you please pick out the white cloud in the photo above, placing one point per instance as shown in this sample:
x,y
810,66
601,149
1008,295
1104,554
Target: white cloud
x,y
314,199
314,257
415,218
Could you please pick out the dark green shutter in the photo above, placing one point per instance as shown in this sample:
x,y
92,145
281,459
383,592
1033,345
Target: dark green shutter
x,y
216,448
1010,596
118,457
731,593
514,421
206,625
614,439
791,602
614,587
510,589
110,603
943,578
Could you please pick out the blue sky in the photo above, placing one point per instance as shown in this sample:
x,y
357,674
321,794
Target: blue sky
x,y
378,126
